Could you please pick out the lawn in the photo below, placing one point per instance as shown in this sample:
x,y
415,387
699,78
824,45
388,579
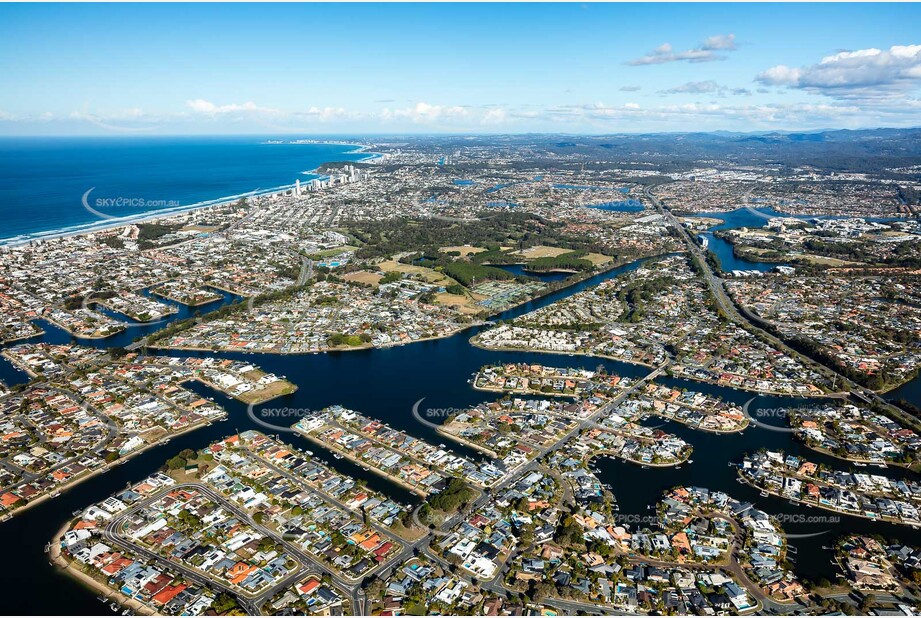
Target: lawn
x,y
464,250
427,273
540,251
364,276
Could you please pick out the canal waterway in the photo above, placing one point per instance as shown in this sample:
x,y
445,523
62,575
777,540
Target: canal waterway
x,y
385,384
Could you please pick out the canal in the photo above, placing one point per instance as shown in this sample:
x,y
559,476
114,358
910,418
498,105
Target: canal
x,y
385,384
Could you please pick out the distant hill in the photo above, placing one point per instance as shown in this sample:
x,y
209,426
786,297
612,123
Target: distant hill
x,y
869,150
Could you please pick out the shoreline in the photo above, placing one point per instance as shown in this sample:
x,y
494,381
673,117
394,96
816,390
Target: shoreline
x,y
866,462
523,392
818,505
145,217
477,344
610,454
362,464
71,570
78,480
467,443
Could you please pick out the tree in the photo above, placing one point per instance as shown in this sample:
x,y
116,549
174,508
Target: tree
x,y
868,601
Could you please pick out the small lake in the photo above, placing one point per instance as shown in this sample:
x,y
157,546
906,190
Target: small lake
x,y
519,271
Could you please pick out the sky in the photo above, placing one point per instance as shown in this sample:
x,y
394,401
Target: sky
x,y
168,69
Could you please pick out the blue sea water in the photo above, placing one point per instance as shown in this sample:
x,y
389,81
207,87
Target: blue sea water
x,y
43,180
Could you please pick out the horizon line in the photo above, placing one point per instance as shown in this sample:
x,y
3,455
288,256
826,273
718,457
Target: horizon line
x,y
459,133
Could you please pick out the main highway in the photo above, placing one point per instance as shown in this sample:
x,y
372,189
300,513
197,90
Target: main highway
x,y
743,317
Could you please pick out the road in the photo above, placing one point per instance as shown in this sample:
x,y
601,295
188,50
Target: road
x,y
495,585
308,564
744,318
96,450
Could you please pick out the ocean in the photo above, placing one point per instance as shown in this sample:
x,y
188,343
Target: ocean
x,y
43,179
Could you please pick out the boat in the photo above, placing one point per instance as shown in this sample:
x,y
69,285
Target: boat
x,y
309,453
337,456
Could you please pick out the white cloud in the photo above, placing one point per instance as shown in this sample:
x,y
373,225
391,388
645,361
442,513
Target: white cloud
x,y
720,41
426,113
132,120
705,52
704,87
326,114
496,115
710,116
861,74
201,106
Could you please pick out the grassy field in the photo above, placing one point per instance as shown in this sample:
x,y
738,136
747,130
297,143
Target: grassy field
x,y
200,228
428,274
540,251
334,251
270,391
597,259
363,276
254,374
463,303
808,257
464,250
